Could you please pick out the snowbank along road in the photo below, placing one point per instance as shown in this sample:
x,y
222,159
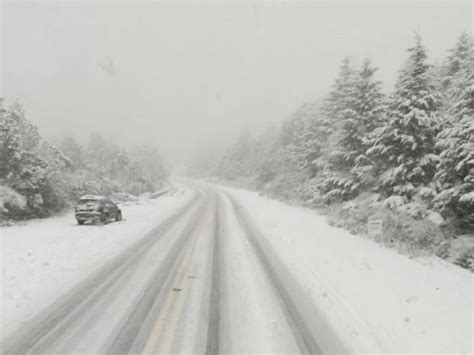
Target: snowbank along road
x,y
202,281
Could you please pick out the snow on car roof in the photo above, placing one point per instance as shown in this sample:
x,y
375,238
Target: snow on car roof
x,y
92,197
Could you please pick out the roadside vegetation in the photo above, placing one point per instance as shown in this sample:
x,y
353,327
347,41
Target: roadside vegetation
x,y
406,158
38,179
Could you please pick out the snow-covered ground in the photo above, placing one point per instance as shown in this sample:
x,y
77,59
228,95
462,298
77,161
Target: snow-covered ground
x,y
375,299
44,258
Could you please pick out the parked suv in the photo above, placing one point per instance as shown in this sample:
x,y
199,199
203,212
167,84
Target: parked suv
x,y
96,209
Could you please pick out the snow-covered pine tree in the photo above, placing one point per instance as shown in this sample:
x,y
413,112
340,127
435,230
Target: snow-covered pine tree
x,y
368,108
458,58
333,178
459,76
303,140
10,146
356,114
339,100
338,111
24,170
455,173
370,115
404,147
305,134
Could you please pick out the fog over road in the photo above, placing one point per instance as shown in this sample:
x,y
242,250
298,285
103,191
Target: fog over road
x,y
202,281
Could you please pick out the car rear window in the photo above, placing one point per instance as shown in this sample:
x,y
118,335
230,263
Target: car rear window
x,y
88,202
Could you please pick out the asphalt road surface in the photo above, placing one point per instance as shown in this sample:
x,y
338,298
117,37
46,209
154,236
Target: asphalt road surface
x,y
204,281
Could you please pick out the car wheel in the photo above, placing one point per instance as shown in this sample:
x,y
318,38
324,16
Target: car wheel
x,y
118,218
80,222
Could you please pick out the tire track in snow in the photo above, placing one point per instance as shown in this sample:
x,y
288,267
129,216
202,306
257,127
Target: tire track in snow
x,y
302,334
213,334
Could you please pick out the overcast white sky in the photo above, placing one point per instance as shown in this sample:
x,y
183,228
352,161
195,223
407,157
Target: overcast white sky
x,y
184,75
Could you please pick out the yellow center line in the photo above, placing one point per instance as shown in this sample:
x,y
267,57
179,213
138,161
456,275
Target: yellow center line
x,y
170,297
168,336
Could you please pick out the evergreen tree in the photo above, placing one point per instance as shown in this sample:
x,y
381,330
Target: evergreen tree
x,y
338,104
24,169
10,146
304,136
403,148
455,173
460,57
368,109
459,79
370,115
332,166
355,115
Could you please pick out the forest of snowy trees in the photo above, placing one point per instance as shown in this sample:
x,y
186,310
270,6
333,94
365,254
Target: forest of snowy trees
x,y
360,152
38,179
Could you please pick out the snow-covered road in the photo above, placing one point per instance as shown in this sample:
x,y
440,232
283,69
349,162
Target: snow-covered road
x,y
219,270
